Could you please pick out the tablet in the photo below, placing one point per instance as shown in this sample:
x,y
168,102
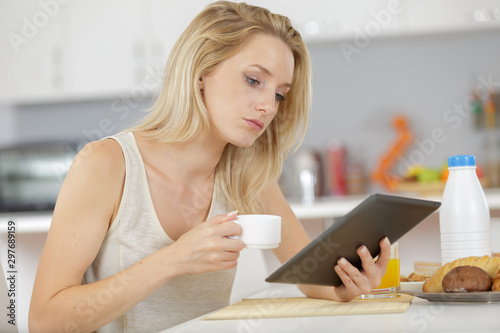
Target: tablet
x,y
376,217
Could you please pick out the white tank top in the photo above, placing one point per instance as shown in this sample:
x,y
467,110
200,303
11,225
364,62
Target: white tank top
x,y
136,233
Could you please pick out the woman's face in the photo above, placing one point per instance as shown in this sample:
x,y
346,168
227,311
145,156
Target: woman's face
x,y
243,93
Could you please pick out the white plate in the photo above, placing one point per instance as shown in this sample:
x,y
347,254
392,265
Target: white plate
x,y
475,297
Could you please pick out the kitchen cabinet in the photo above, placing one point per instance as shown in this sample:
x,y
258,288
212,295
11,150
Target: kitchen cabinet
x,y
164,21
33,57
89,49
106,46
81,50
60,50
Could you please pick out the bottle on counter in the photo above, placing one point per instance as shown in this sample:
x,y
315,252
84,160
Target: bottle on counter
x,y
464,216
490,111
336,167
355,175
477,110
492,158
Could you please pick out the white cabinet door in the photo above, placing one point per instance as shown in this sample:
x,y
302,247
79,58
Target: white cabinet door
x,y
106,46
431,16
33,57
166,20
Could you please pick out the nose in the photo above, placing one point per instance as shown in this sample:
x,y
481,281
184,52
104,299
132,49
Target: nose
x,y
267,103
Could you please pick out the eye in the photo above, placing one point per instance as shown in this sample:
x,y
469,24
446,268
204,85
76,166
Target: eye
x,y
252,81
279,97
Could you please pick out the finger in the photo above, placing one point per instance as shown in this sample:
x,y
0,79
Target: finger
x,y
349,284
229,264
224,260
385,253
233,245
229,259
219,255
367,261
228,228
353,273
230,256
231,216
359,281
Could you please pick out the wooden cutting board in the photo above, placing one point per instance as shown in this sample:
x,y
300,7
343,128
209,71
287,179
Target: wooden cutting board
x,y
308,307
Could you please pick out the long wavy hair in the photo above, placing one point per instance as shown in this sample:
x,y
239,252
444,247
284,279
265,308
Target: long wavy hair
x,y
179,113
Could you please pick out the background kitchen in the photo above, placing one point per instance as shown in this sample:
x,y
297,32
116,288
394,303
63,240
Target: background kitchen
x,y
80,70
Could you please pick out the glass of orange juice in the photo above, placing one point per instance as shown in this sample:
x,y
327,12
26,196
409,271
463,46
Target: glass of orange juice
x,y
391,281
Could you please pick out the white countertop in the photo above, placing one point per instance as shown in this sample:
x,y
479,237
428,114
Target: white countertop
x,y
27,223
325,207
422,316
331,207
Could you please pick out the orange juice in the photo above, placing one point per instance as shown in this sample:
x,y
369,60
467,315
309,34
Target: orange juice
x,y
389,286
391,279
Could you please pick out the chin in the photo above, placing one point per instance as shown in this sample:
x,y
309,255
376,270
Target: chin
x,y
244,143
244,140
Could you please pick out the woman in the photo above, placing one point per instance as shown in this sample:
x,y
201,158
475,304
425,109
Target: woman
x,y
129,217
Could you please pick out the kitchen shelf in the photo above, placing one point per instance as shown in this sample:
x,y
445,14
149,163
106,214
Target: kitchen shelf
x,y
324,208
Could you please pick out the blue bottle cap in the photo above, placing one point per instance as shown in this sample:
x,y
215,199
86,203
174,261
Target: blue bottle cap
x,y
461,160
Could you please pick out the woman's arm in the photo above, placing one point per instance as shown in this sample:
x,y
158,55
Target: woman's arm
x,y
87,203
294,239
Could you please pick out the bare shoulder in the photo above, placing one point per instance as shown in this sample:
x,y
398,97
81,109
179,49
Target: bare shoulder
x,y
102,155
273,198
271,189
100,165
95,179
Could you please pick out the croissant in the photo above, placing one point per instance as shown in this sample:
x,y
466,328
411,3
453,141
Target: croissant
x,y
489,264
496,282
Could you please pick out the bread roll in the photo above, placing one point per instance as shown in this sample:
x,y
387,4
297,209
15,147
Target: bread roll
x,y
463,279
487,263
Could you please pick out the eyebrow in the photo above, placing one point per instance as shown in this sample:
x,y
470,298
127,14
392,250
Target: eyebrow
x,y
265,70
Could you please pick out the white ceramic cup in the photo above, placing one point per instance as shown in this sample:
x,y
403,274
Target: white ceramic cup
x,y
259,231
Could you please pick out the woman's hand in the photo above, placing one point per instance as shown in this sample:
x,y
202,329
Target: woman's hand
x,y
355,282
207,248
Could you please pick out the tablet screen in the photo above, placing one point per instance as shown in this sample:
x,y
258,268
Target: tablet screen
x,y
376,217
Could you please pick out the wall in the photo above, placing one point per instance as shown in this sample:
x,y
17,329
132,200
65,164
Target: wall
x,y
8,125
87,121
428,78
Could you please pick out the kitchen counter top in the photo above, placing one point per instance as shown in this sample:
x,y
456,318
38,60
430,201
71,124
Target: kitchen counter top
x,y
27,223
323,208
332,207
422,316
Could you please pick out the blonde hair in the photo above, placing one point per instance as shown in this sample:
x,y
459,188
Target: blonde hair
x,y
179,113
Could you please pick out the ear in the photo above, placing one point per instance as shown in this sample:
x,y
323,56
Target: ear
x,y
200,84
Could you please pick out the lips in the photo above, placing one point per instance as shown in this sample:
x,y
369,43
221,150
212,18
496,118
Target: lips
x,y
255,124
